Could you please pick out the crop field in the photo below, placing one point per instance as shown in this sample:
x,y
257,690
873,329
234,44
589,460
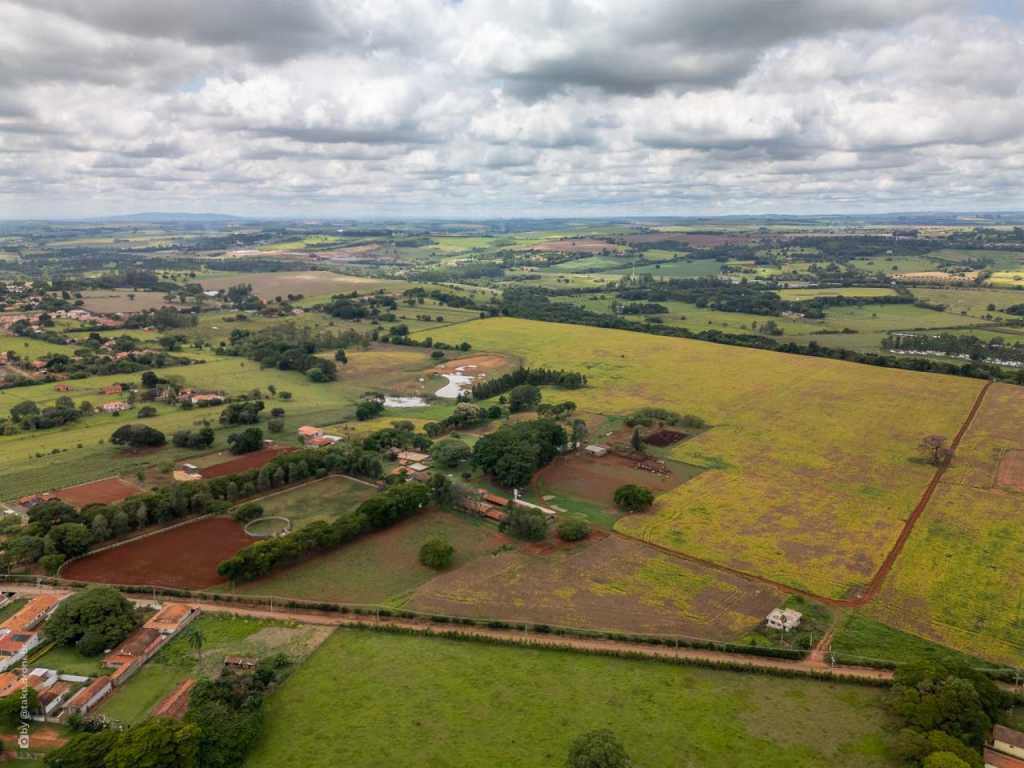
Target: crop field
x,y
959,580
321,499
1008,279
108,491
186,557
804,294
237,635
813,464
122,300
974,302
33,349
605,583
426,701
382,567
267,285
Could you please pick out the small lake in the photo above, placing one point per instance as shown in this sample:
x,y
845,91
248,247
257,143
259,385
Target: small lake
x,y
404,402
457,384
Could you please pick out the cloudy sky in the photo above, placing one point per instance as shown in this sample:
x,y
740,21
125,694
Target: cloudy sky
x,y
510,107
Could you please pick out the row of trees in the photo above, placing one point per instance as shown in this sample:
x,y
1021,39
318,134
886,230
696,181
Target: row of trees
x,y
488,388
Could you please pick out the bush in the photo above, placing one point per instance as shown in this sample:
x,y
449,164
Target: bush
x,y
633,498
52,563
146,412
573,529
247,513
597,749
525,523
437,553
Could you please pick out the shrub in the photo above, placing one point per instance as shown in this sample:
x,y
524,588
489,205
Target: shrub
x,y
437,553
573,529
52,563
248,512
525,523
597,749
633,498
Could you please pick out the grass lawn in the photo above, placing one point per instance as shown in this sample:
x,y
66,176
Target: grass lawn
x,y
69,661
381,567
366,700
12,608
322,499
859,637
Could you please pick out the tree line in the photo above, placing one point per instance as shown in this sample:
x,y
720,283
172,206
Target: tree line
x,y
486,389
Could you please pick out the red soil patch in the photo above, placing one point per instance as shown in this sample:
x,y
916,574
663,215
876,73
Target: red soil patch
x,y
245,462
596,478
581,245
175,704
474,364
664,437
1011,471
185,557
108,491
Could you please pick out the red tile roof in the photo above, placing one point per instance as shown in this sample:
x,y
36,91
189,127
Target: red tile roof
x,y
1010,736
1002,760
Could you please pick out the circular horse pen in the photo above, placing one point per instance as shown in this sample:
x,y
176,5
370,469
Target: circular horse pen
x,y
268,527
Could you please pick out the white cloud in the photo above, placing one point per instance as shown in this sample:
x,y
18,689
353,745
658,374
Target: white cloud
x,y
499,107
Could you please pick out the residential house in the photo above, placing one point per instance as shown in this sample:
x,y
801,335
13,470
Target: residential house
x,y
133,652
113,389
53,697
63,387
171,618
1008,741
307,433
994,759
413,457
784,619
115,406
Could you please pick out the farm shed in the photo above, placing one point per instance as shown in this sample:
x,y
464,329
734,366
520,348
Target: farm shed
x,y
597,450
90,696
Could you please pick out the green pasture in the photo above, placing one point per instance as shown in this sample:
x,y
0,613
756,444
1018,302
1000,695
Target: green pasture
x,y
415,701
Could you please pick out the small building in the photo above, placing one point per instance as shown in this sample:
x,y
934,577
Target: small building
x,y
171,618
89,696
113,389
307,433
784,619
63,387
1008,741
597,450
33,613
53,697
319,442
994,759
115,406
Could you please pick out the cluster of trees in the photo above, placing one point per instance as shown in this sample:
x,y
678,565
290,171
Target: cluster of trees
x,y
245,412
138,436
289,347
946,713
352,307
381,511
464,416
515,451
401,434
92,621
646,417
525,523
246,441
486,389
27,415
951,345
164,319
633,498
189,438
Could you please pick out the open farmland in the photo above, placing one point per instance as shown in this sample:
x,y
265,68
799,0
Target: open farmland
x,y
124,300
813,464
434,698
606,583
267,285
959,580
186,556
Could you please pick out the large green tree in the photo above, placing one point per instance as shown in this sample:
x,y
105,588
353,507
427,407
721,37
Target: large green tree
x,y
157,743
93,620
597,749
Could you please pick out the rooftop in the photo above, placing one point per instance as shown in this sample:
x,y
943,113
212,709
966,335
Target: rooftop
x,y
1008,735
